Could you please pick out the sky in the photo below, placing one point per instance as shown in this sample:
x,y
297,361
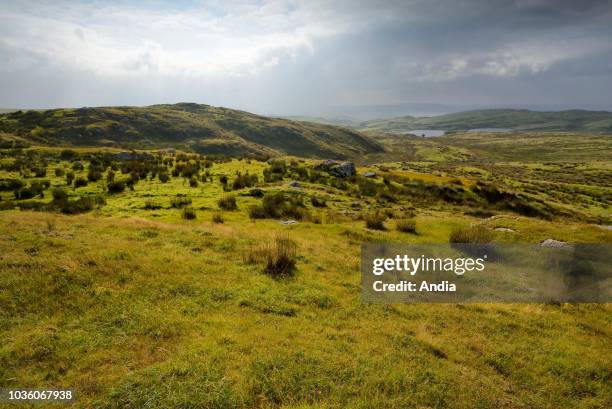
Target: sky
x,y
314,57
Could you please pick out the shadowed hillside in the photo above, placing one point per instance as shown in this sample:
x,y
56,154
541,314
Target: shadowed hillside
x,y
203,128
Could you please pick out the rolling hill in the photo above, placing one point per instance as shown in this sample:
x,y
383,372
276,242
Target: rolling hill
x,y
203,128
572,120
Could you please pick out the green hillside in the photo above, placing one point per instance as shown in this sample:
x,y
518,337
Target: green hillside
x,y
573,120
203,128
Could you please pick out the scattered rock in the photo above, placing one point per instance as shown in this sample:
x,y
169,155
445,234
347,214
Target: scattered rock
x,y
285,222
256,192
504,229
369,175
555,244
334,168
294,183
343,170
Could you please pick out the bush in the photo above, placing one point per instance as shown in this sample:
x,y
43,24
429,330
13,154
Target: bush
x,y
406,225
471,235
180,201
188,213
81,205
279,205
217,218
257,212
69,178
40,172
193,182
80,182
116,186
279,257
59,172
375,221
59,195
242,181
68,154
227,202
318,202
163,177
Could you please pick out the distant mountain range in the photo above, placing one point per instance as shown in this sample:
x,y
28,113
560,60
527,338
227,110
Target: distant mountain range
x,y
517,119
203,128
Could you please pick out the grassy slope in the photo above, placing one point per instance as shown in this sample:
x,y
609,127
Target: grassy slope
x,y
201,127
135,307
574,120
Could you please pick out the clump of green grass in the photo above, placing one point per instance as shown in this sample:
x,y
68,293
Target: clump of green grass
x,y
375,221
478,234
227,202
180,201
151,205
188,213
406,225
217,218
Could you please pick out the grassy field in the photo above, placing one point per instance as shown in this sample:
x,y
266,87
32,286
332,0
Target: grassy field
x,y
133,305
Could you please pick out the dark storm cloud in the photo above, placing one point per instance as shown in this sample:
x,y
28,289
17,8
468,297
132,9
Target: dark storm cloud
x,y
310,57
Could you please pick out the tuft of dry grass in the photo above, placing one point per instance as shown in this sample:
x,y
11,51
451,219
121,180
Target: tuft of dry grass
x,y
406,225
227,202
474,234
375,221
278,257
217,218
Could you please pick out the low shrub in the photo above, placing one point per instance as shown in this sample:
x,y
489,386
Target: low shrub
x,y
217,218
81,205
116,186
193,182
163,177
59,172
188,213
180,201
242,181
375,221
279,205
59,194
406,225
80,182
318,202
227,202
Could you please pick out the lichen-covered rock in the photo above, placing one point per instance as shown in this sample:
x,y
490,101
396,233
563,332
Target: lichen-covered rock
x,y
343,170
555,244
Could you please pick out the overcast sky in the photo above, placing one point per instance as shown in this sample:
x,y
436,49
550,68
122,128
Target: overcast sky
x,y
310,57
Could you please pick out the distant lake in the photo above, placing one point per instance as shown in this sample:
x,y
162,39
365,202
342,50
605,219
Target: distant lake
x,y
490,130
428,133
